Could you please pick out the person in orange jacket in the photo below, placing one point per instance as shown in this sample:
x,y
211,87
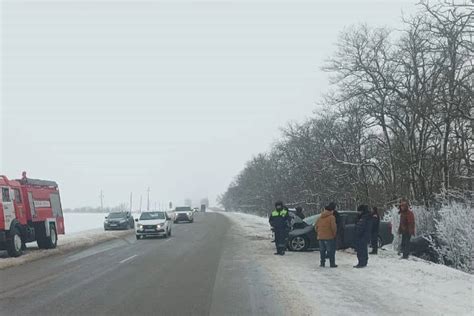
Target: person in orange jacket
x,y
326,230
407,226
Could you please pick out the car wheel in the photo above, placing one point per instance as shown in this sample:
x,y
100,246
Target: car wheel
x,y
138,237
14,243
169,234
298,243
192,221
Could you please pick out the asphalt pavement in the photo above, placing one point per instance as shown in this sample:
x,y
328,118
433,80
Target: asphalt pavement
x,y
202,269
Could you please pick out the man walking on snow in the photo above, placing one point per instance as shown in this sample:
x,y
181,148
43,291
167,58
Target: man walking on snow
x,y
326,230
407,226
279,220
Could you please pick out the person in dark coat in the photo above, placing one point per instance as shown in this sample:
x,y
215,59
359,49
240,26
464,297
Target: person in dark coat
x,y
299,212
375,230
363,232
280,222
407,226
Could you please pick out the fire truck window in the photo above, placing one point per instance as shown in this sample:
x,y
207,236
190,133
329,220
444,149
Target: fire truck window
x,y
6,195
17,196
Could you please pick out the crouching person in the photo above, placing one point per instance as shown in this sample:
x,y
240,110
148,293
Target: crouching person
x,y
326,230
363,232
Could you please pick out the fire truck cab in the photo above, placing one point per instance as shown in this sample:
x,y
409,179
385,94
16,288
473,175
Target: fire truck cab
x,y
30,210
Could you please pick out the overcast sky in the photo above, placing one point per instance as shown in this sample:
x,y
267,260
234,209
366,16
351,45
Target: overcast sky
x,y
174,95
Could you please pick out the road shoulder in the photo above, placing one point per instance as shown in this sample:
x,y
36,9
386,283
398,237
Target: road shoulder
x,y
66,244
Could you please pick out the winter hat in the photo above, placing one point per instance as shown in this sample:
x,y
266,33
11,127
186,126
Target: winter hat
x,y
279,203
331,206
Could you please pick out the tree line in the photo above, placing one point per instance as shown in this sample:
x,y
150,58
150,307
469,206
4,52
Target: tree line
x,y
398,121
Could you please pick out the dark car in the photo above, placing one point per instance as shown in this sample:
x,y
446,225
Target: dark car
x,y
119,220
304,236
424,247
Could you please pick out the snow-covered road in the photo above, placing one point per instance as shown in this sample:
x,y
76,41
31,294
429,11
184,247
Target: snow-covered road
x,y
388,286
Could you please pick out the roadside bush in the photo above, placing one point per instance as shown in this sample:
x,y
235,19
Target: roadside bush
x,y
454,232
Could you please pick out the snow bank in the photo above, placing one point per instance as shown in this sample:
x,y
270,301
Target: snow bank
x,y
77,222
388,286
66,243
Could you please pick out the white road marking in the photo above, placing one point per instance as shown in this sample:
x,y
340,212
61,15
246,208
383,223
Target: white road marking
x,y
129,258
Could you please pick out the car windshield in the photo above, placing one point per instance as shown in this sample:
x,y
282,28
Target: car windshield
x,y
183,209
152,215
117,215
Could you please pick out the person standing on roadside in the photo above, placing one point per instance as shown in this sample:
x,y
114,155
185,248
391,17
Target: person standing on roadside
x,y
375,230
363,232
326,230
279,220
299,212
407,226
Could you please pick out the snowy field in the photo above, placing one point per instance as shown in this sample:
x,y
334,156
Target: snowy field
x,y
77,222
388,286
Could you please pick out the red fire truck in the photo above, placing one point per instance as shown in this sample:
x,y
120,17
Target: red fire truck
x,y
30,210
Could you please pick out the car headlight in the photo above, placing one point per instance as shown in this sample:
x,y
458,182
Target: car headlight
x,y
123,221
159,225
139,226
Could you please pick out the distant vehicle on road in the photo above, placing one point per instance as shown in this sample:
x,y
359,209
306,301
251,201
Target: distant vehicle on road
x,y
30,210
203,208
304,237
153,224
184,213
119,220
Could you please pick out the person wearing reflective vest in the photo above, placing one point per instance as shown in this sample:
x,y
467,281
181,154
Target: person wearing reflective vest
x,y
279,220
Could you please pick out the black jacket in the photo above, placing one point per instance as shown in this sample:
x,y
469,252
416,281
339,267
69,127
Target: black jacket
x,y
363,228
375,224
338,218
300,215
279,219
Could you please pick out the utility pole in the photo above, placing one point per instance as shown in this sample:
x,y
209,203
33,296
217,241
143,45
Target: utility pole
x,y
101,197
148,199
131,201
140,203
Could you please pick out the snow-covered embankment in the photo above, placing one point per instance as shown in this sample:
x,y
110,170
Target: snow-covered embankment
x,y
82,231
388,286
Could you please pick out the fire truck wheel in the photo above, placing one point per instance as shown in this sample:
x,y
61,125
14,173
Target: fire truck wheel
x,y
14,243
52,239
